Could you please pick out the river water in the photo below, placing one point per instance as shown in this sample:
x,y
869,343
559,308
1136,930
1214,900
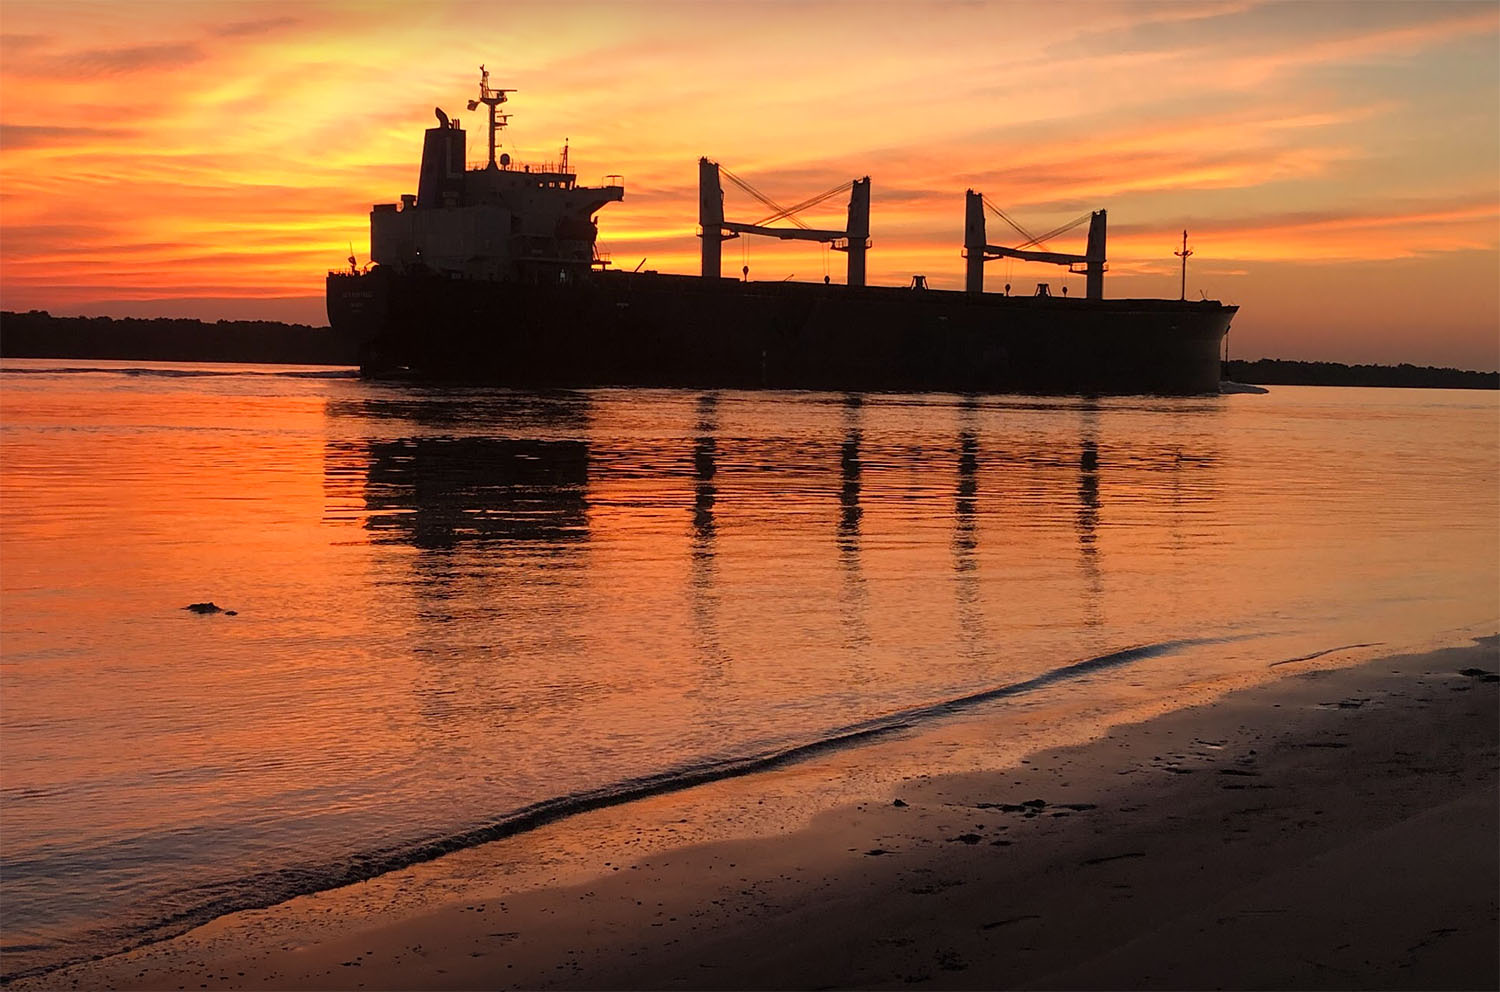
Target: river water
x,y
458,610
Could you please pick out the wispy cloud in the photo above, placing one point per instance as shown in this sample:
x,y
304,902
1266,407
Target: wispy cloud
x,y
120,61
13,45
14,136
261,26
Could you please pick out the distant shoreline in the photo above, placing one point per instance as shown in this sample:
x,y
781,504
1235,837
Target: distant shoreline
x,y
38,334
1277,372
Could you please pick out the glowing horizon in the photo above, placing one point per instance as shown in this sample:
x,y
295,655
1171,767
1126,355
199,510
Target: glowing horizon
x,y
1334,164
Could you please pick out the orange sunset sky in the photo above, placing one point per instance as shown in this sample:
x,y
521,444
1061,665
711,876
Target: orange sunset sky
x,y
1337,165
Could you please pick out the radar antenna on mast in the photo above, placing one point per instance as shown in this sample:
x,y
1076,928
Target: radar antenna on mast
x,y
491,98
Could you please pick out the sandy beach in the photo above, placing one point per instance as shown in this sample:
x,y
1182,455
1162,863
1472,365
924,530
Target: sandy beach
x,y
1333,828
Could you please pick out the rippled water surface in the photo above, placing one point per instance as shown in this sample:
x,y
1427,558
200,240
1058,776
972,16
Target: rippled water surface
x,y
455,605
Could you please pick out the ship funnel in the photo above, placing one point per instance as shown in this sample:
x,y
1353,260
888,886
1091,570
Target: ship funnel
x,y
442,175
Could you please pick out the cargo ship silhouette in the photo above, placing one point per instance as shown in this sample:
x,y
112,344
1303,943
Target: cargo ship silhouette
x,y
493,274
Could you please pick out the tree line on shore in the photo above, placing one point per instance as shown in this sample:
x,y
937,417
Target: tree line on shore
x,y
1277,372
38,334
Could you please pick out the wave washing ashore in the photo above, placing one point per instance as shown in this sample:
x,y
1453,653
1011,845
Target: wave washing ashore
x,y
462,613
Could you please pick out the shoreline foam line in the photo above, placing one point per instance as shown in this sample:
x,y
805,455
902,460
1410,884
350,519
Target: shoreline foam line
x,y
270,888
1319,654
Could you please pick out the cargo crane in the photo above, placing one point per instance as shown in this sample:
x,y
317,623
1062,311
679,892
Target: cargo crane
x,y
715,230
978,250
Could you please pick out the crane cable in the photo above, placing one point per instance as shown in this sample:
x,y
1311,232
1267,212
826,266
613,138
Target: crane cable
x,y
1033,240
1061,230
780,210
811,201
1030,239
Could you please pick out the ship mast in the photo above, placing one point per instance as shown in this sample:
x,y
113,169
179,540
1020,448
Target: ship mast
x,y
1186,251
491,98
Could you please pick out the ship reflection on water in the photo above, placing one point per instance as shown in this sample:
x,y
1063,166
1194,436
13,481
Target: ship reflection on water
x,y
762,510
436,492
853,595
560,545
703,590
966,535
705,451
1088,517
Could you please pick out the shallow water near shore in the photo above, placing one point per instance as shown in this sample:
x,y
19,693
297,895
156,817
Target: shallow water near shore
x,y
460,611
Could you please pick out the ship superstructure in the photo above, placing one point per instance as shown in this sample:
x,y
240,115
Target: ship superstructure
x,y
503,220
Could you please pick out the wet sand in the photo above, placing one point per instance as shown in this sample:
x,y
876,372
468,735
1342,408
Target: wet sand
x,y
1336,828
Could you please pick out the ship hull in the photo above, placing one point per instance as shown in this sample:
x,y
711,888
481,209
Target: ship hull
x,y
664,330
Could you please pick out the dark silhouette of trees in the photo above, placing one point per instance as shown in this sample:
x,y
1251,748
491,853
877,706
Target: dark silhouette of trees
x,y
1276,372
38,334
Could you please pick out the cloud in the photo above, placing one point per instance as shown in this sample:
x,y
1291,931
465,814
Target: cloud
x,y
18,44
1401,230
14,136
1415,214
120,61
265,25
85,246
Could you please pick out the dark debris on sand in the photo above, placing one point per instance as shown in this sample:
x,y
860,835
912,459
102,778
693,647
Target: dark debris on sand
x,y
210,607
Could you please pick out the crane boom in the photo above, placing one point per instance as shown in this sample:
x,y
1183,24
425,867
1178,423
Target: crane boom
x,y
1056,258
785,233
